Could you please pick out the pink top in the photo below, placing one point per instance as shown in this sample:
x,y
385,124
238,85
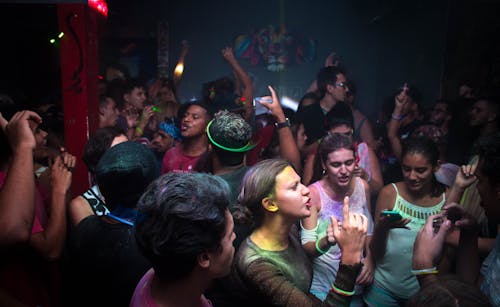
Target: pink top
x,y
142,294
175,160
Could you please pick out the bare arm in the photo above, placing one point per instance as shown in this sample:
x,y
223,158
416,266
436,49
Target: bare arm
x,y
49,243
465,178
309,234
244,78
376,181
78,210
288,147
400,105
17,195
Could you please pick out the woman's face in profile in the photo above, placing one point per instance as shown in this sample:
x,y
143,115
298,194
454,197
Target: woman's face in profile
x,y
291,196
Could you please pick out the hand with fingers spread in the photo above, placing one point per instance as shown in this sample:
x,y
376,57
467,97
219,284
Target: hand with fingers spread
x,y
351,235
428,245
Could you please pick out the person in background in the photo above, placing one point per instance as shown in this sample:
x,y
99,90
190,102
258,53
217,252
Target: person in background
x,y
91,201
185,155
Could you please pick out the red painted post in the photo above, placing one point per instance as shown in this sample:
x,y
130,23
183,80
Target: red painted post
x,y
79,71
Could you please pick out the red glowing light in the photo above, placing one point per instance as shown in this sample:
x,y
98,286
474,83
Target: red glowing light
x,y
99,5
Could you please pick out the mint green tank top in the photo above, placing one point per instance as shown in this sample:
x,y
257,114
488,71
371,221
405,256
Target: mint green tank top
x,y
393,272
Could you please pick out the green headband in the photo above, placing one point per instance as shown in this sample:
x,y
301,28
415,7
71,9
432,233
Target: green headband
x,y
247,147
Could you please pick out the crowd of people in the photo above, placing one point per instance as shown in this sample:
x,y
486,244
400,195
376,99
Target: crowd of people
x,y
205,203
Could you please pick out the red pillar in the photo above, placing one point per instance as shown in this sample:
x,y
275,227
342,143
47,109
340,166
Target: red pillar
x,y
79,71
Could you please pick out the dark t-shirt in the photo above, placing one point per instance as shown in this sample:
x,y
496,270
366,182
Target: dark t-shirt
x,y
313,119
105,264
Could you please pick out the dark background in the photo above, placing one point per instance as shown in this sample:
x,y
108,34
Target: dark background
x,y
435,45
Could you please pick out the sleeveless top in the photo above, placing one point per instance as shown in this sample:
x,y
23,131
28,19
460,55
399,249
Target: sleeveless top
x,y
325,267
364,158
393,272
94,198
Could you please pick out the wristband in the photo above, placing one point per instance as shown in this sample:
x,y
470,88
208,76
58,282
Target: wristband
x,y
138,130
284,124
432,270
322,252
396,117
342,292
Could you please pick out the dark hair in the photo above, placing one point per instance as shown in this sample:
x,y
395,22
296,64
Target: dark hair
x,y
230,130
184,107
489,151
330,143
414,93
103,100
326,76
182,216
97,145
340,114
259,182
430,150
448,291
8,108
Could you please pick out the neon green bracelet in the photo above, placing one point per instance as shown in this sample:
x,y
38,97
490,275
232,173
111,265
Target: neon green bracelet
x,y
319,248
342,292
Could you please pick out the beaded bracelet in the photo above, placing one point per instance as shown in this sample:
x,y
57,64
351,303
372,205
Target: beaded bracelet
x,y
342,292
432,270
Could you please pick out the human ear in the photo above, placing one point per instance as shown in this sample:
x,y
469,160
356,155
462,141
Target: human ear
x,y
203,260
269,204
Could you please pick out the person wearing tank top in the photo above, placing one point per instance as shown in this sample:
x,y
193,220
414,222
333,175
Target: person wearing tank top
x,y
337,155
418,196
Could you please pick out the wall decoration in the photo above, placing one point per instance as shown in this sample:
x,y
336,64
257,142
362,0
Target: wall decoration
x,y
275,47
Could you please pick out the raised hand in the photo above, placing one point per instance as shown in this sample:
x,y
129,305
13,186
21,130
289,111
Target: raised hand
x,y
274,106
62,172
466,175
429,243
20,129
228,54
351,235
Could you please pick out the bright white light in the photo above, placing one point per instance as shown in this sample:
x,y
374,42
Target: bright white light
x,y
289,103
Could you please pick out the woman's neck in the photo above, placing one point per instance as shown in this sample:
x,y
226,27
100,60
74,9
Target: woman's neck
x,y
273,234
336,192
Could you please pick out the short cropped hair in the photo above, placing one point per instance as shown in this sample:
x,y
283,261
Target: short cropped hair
x,y
327,76
181,216
231,131
97,145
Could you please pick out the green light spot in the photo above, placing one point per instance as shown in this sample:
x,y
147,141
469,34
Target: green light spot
x,y
52,40
61,34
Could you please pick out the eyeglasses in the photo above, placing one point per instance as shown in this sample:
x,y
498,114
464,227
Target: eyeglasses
x,y
341,84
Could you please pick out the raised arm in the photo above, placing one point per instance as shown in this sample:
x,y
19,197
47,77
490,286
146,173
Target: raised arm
x,y
49,243
244,78
17,195
400,107
288,147
465,178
